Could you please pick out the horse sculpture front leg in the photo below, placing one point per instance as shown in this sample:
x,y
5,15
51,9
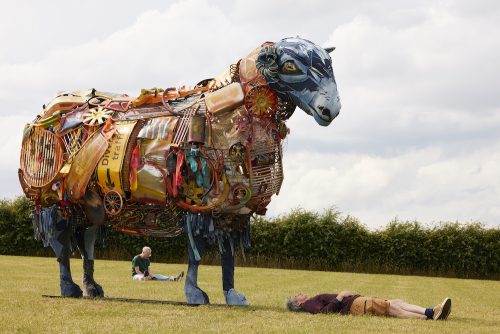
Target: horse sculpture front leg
x,y
199,229
86,238
196,248
232,296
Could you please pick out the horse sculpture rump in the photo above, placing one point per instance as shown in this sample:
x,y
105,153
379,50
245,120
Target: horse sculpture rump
x,y
202,160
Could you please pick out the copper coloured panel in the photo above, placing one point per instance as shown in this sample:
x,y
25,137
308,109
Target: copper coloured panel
x,y
42,157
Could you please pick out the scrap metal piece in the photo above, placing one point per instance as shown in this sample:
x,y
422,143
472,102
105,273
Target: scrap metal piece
x,y
42,156
196,133
226,98
119,104
113,166
96,116
113,203
261,101
85,162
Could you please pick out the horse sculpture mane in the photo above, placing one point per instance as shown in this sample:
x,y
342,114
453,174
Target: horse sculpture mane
x,y
212,151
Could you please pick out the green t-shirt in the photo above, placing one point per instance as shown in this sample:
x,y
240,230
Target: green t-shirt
x,y
142,263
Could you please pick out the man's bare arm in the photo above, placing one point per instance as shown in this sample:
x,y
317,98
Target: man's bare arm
x,y
344,294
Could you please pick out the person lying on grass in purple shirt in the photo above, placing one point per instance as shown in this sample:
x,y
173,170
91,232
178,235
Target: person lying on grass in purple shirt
x,y
346,302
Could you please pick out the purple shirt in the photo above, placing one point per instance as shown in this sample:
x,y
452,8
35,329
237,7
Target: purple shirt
x,y
328,303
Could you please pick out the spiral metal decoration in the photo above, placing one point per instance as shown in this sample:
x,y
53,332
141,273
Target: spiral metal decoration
x,y
266,63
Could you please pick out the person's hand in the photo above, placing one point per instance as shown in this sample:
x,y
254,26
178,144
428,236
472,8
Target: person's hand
x,y
148,278
346,294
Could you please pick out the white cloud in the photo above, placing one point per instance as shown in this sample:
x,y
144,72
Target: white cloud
x,y
421,184
417,136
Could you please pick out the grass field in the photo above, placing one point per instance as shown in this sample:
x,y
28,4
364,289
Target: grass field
x,y
476,303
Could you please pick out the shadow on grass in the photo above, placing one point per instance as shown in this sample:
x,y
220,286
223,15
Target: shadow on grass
x,y
167,302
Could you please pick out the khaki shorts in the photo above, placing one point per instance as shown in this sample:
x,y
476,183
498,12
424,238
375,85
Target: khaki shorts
x,y
370,306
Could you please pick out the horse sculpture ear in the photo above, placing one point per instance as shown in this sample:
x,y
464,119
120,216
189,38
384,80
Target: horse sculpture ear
x,y
266,63
330,49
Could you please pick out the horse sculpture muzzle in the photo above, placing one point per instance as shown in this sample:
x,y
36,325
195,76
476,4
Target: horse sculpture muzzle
x,y
326,106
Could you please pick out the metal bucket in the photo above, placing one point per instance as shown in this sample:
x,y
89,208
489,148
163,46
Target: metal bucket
x,y
196,132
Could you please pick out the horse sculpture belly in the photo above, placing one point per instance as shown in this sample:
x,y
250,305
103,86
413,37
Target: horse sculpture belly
x,y
202,159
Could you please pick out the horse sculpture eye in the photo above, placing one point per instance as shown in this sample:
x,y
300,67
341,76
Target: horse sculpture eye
x,y
289,67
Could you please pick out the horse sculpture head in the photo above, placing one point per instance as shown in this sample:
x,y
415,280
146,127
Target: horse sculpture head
x,y
301,71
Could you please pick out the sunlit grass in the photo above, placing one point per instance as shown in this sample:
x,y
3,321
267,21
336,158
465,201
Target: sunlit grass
x,y
23,280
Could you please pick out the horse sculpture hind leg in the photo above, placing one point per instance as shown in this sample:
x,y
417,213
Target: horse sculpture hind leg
x,y
86,238
55,226
56,230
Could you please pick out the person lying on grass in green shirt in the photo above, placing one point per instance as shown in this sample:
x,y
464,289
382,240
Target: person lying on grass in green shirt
x,y
141,268
346,302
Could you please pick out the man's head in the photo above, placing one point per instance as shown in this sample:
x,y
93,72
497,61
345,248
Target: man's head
x,y
146,252
301,71
294,303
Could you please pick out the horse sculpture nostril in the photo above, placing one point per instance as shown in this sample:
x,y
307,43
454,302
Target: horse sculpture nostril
x,y
326,112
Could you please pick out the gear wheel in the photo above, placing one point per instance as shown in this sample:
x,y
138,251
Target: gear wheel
x,y
113,203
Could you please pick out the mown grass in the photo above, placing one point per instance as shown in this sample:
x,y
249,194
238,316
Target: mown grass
x,y
476,303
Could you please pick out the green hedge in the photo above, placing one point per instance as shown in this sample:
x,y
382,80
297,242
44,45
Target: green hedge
x,y
307,240
16,232
333,242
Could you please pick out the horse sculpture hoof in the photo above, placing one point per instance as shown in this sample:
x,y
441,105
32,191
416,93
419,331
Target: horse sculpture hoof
x,y
70,289
233,297
93,290
196,296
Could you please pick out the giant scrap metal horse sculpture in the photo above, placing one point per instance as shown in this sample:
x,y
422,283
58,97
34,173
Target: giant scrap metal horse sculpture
x,y
202,160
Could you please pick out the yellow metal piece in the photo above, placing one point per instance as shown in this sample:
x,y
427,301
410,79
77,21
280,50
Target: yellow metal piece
x,y
110,167
210,207
193,193
65,169
84,164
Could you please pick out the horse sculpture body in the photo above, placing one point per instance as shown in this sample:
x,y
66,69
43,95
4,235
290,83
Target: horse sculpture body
x,y
202,160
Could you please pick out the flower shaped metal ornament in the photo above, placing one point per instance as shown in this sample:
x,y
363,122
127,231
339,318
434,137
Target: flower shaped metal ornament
x,y
261,101
96,116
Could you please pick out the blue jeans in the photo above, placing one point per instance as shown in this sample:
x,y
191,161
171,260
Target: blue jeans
x,y
157,277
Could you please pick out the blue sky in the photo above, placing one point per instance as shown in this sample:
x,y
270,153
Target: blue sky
x,y
418,134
